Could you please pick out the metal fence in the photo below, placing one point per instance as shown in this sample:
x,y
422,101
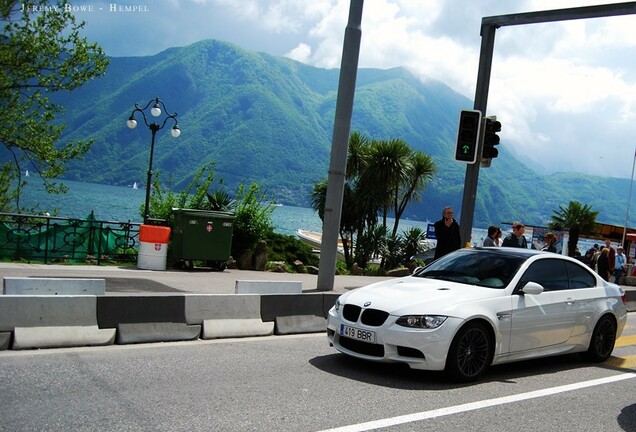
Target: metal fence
x,y
47,239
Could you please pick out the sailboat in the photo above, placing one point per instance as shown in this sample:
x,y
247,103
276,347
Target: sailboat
x,y
134,186
26,173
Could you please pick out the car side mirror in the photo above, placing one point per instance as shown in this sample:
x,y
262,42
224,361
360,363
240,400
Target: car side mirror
x,y
532,288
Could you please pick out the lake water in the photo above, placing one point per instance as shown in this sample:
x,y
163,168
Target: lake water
x,y
118,203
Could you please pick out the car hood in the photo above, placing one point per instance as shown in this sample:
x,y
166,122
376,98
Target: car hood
x,y
413,295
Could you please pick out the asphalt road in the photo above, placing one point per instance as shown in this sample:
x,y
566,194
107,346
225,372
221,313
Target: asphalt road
x,y
298,383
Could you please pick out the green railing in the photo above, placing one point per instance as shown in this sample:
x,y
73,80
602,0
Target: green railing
x,y
36,238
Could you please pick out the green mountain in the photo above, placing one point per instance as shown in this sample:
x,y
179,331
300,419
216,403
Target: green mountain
x,y
270,120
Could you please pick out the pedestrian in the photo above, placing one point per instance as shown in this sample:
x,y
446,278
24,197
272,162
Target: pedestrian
x,y
590,256
611,255
491,238
498,237
447,233
550,240
602,264
516,237
619,265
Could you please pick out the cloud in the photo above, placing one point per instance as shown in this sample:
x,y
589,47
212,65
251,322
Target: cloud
x,y
566,90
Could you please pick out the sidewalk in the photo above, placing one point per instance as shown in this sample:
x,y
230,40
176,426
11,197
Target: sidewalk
x,y
129,279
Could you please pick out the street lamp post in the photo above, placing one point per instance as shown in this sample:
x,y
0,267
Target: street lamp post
x,y
155,111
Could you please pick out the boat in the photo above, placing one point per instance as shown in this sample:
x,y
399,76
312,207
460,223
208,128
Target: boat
x,y
134,186
26,173
314,239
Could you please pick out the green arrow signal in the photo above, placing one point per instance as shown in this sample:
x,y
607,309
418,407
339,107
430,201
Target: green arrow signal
x,y
466,149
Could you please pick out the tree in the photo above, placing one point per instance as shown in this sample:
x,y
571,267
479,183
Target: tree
x,y
41,52
420,169
577,219
383,176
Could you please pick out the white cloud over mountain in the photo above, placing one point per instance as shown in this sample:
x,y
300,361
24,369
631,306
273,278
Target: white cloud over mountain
x,y
565,92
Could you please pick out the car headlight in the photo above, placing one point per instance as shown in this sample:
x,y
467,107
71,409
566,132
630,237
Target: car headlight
x,y
421,321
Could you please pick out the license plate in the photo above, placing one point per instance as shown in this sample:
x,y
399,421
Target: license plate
x,y
357,334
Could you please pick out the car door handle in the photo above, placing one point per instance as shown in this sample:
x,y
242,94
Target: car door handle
x,y
570,301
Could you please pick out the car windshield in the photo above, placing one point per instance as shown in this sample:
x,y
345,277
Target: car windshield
x,y
487,268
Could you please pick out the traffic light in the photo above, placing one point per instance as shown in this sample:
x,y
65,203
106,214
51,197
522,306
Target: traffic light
x,y
491,139
468,136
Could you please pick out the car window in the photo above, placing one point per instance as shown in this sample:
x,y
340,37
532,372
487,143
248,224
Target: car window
x,y
580,277
550,273
483,268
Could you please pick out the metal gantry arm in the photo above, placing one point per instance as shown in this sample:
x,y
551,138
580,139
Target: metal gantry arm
x,y
489,25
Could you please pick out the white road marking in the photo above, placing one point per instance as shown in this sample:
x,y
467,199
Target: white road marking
x,y
409,418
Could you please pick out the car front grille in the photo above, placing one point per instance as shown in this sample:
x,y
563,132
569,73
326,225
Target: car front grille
x,y
373,317
351,312
370,317
373,350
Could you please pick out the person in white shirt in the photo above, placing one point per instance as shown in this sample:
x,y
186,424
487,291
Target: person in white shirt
x,y
619,265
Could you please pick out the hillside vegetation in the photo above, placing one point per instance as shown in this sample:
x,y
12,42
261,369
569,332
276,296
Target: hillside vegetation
x,y
270,120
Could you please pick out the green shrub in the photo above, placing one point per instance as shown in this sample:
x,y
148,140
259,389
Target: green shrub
x,y
281,247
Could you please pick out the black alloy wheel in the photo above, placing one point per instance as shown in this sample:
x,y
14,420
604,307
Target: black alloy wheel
x,y
603,340
470,353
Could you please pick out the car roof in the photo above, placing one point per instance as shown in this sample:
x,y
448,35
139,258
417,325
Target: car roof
x,y
511,251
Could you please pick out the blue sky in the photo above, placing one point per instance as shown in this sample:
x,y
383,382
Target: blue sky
x,y
565,92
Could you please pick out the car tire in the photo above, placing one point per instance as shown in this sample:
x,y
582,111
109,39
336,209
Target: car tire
x,y
602,340
470,353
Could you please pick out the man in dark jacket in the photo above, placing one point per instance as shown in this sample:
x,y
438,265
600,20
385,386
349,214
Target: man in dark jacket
x,y
516,237
447,233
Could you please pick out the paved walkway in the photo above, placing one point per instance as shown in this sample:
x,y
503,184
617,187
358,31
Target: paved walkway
x,y
129,279
132,280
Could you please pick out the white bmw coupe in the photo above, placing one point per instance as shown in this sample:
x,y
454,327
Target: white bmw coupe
x,y
478,307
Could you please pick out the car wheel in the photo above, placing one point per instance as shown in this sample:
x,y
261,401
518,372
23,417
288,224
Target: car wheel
x,y
470,353
602,341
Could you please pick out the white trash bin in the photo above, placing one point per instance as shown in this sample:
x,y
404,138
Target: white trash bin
x,y
153,247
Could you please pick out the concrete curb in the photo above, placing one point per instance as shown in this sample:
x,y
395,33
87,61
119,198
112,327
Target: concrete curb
x,y
60,337
227,328
129,333
295,324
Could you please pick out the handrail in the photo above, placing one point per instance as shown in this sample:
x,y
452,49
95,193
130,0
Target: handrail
x,y
28,237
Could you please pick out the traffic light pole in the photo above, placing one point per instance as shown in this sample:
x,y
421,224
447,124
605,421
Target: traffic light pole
x,y
481,101
488,27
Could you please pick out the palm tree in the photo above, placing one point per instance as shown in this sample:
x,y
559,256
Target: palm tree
x,y
382,176
421,169
386,170
577,218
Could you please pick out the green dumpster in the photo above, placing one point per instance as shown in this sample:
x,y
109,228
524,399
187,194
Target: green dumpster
x,y
201,235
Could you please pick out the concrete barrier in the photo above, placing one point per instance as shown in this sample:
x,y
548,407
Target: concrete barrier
x,y
267,287
226,328
53,286
52,321
60,321
5,340
61,336
329,299
156,332
294,313
224,316
294,324
146,318
277,305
